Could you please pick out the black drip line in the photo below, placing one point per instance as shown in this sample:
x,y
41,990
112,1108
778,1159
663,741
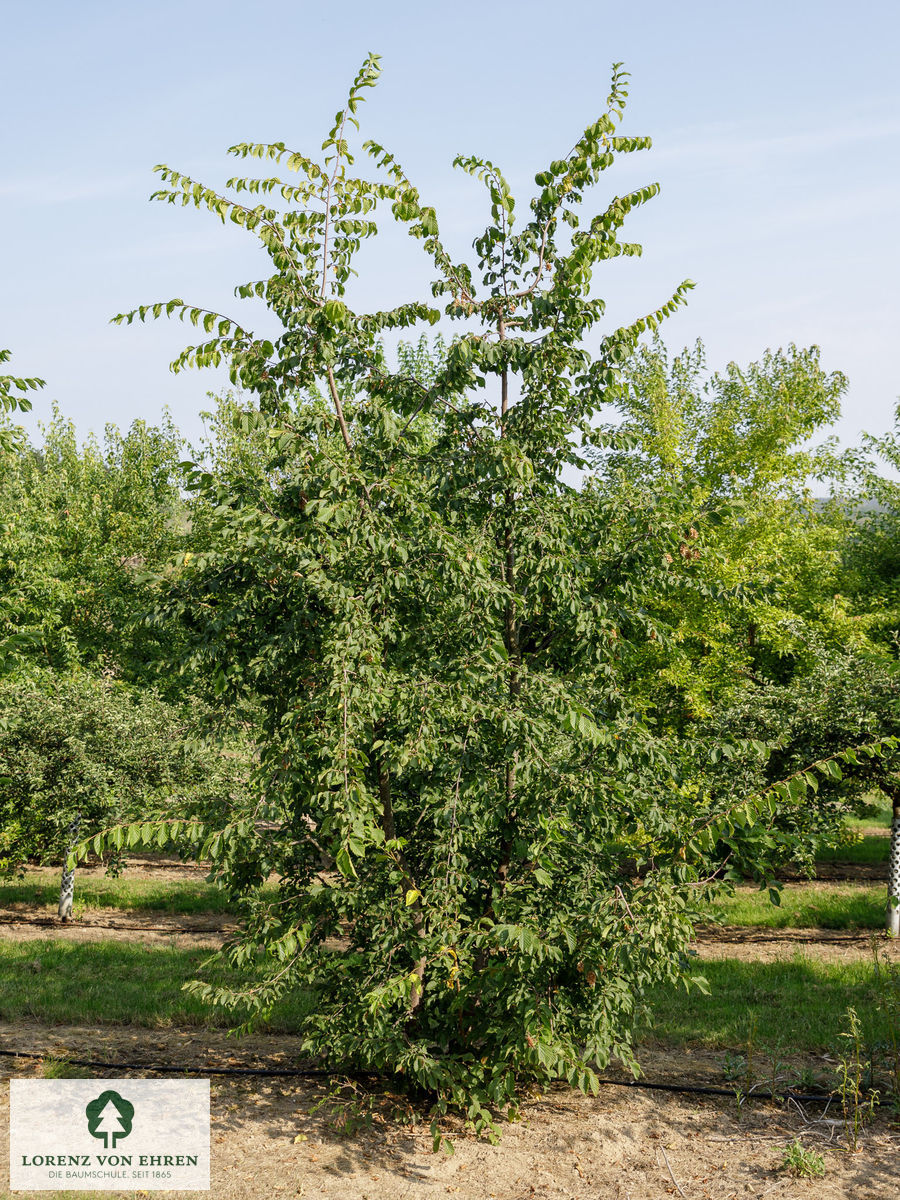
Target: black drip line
x,y
324,1073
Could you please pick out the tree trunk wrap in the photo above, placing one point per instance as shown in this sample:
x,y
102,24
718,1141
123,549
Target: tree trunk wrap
x,y
67,887
892,921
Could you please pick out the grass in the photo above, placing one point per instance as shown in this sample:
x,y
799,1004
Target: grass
x,y
122,983
829,906
879,812
872,848
796,1003
799,1002
172,896
869,850
822,906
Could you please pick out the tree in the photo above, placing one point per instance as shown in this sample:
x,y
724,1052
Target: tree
x,y
81,530
872,578
13,396
109,1116
763,583
433,622
79,749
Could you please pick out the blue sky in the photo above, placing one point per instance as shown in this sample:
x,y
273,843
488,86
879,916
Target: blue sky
x,y
776,130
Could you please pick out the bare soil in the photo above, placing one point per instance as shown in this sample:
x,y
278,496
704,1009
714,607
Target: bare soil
x,y
837,872
24,922
753,943
625,1144
622,1144
29,922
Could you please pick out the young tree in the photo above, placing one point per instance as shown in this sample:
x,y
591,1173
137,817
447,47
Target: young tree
x,y
431,618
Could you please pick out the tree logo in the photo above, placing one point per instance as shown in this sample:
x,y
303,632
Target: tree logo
x,y
109,1116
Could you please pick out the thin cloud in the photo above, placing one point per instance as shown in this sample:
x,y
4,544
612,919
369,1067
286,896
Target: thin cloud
x,y
734,143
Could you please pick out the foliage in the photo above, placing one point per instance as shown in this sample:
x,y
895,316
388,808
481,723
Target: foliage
x,y
78,744
81,528
764,576
13,396
871,561
452,781
801,1162
857,1101
816,746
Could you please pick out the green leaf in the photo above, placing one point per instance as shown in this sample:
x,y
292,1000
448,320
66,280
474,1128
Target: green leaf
x,y
344,863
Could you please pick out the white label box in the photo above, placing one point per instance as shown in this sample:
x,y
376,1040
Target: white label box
x,y
109,1134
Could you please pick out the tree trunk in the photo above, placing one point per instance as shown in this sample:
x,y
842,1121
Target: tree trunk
x,y
892,915
67,887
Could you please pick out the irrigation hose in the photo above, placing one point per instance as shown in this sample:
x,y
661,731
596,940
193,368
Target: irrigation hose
x,y
322,1072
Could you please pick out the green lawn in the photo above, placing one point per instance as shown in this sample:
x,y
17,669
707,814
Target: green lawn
x,y
823,906
71,983
871,849
172,896
798,1004
878,813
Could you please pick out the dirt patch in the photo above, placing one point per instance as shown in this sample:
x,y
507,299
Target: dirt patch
x,y
29,922
622,1144
753,943
837,872
155,867
24,923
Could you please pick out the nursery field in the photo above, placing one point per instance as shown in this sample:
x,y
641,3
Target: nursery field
x,y
107,988
497,651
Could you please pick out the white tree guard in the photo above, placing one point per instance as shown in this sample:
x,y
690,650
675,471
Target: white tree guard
x,y
67,886
892,921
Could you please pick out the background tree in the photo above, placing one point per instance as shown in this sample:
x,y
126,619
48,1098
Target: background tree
x,y
83,528
762,596
872,575
77,746
13,397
